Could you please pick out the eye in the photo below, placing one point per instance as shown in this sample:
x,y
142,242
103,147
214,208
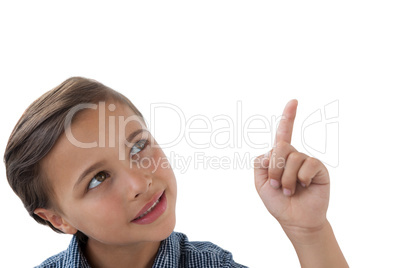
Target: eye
x,y
138,146
98,179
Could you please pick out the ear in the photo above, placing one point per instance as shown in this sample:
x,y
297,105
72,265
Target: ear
x,y
56,220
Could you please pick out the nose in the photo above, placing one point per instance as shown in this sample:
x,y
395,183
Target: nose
x,y
136,183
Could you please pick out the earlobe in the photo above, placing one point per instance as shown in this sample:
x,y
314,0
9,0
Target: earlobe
x,y
56,220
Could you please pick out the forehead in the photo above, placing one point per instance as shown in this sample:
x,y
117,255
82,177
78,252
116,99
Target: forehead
x,y
98,117
88,124
94,135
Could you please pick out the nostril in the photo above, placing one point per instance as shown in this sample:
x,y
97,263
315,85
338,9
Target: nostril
x,y
137,195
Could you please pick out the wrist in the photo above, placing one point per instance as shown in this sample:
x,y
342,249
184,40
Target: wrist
x,y
307,236
316,247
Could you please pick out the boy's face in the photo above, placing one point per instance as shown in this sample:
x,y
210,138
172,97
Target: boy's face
x,y
126,178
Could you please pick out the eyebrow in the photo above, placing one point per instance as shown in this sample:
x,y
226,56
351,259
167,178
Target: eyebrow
x,y
97,165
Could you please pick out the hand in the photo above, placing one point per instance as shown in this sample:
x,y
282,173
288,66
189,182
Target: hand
x,y
293,186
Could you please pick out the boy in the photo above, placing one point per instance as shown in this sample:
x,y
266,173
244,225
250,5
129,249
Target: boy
x,y
77,156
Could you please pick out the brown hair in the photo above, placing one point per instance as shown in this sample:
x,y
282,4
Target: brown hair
x,y
36,133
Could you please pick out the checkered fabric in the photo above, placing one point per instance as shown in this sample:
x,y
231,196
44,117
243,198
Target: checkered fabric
x,y
174,251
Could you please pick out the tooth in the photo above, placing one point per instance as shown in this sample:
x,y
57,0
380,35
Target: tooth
x,y
149,210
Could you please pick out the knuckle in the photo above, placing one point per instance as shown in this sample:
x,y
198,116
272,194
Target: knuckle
x,y
313,162
294,157
282,144
303,176
260,161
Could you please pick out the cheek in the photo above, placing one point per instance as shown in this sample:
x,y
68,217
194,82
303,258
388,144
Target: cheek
x,y
150,159
163,170
161,165
97,215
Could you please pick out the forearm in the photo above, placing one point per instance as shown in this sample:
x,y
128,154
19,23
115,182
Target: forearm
x,y
318,248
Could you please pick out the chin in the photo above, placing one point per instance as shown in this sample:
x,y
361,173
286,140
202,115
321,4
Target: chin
x,y
166,228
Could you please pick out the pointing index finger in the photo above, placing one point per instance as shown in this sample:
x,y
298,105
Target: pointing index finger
x,y
285,128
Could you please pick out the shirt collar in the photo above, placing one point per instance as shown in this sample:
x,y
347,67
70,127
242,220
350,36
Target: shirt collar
x,y
168,254
75,256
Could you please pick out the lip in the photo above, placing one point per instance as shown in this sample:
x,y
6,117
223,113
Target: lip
x,y
154,214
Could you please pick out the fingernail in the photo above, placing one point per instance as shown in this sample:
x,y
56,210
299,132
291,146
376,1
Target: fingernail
x,y
274,183
302,184
287,192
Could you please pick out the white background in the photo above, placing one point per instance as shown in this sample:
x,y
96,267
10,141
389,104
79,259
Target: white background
x,y
203,57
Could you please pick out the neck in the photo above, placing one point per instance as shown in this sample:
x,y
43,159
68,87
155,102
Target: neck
x,y
139,255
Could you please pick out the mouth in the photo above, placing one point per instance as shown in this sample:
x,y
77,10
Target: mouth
x,y
152,210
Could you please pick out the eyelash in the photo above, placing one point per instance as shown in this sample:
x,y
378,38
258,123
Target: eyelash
x,y
142,145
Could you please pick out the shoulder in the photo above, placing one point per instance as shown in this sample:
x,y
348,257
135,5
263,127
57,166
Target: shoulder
x,y
71,257
54,261
198,247
180,252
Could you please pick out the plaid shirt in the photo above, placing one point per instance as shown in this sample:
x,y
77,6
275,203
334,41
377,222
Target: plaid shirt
x,y
174,251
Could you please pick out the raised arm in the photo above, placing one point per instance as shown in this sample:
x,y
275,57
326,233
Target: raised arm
x,y
295,189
